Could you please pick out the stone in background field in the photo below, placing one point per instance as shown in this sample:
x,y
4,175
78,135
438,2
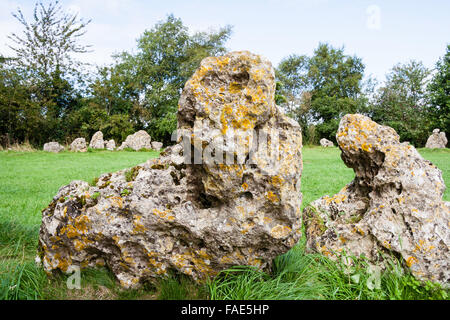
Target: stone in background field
x,y
137,141
97,141
78,145
53,147
436,140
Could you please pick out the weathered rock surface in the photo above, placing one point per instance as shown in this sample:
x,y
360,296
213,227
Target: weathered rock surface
x,y
110,145
157,145
97,141
326,143
78,145
436,140
53,147
197,219
137,141
393,206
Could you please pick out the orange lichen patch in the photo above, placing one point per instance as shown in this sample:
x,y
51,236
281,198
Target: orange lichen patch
x,y
164,214
411,261
324,250
180,260
357,229
267,219
81,244
70,231
202,253
342,239
235,87
138,227
81,223
337,198
226,259
280,231
244,186
63,263
272,197
55,238
247,226
255,262
237,169
366,147
277,181
117,201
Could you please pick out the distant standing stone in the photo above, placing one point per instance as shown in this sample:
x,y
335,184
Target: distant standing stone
x,y
111,145
53,147
157,145
137,141
97,141
78,145
436,140
326,143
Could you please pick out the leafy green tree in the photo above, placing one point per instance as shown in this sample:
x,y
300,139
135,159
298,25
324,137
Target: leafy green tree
x,y
402,102
152,78
336,87
321,89
292,73
44,57
439,94
20,116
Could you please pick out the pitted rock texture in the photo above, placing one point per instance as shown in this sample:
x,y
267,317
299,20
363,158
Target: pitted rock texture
x,y
194,218
78,145
436,140
110,145
393,206
326,143
157,145
137,141
53,147
97,141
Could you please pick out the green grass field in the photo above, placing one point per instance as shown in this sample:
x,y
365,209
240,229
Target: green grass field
x,y
29,180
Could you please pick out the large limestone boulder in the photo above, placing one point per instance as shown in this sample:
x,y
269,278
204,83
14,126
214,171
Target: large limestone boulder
x,y
53,147
194,217
326,143
110,145
97,141
137,141
436,140
157,145
78,145
393,206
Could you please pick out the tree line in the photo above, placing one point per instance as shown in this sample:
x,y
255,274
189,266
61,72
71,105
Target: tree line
x,y
46,94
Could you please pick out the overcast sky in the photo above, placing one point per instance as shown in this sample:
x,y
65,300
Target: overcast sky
x,y
382,33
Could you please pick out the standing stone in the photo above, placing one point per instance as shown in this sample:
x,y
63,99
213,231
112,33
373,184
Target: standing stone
x,y
97,141
326,143
137,141
195,218
53,147
78,145
436,140
157,145
393,206
111,145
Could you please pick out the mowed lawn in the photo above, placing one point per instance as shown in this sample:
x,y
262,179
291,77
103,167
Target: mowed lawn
x,y
29,180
